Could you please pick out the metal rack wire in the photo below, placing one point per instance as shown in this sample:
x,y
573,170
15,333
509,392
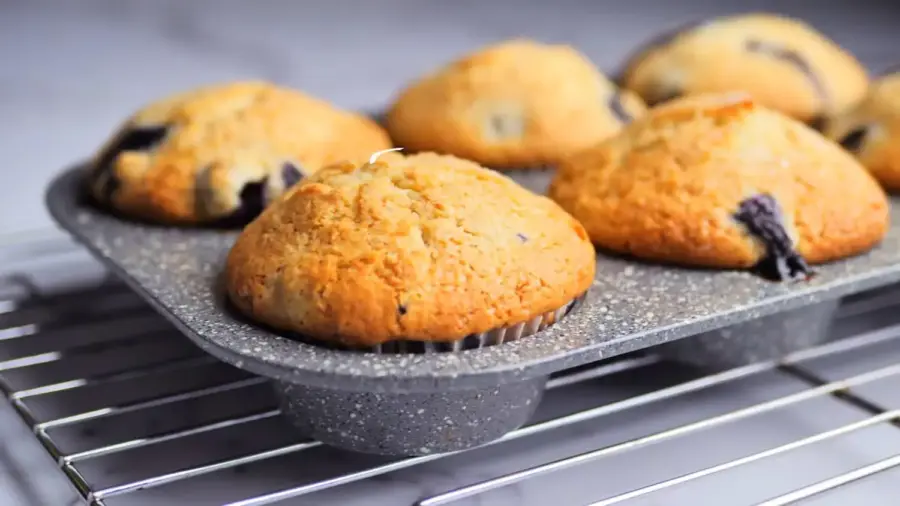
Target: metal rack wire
x,y
97,375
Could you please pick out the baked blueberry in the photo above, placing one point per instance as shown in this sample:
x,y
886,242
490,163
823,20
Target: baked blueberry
x,y
871,130
854,139
134,139
394,252
792,57
252,199
783,63
512,105
719,181
290,175
618,109
763,219
220,153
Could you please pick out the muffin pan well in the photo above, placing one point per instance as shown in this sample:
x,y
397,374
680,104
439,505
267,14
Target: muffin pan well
x,y
411,404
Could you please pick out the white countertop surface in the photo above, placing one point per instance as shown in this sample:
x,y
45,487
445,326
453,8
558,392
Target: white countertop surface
x,y
72,70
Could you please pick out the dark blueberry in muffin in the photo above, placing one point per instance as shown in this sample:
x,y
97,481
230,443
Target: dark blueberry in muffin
x,y
143,138
818,123
253,198
505,125
665,95
762,216
618,110
252,203
791,57
522,237
854,139
290,175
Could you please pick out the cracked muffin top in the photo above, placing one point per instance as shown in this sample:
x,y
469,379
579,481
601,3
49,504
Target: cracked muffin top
x,y
783,63
514,104
719,181
217,155
425,247
871,131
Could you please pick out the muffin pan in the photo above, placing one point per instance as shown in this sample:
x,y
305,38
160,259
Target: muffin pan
x,y
413,404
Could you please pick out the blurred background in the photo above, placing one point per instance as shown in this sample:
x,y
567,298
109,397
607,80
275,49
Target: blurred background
x,y
72,70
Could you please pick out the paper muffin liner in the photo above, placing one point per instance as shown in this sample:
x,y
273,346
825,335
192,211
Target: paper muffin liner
x,y
474,341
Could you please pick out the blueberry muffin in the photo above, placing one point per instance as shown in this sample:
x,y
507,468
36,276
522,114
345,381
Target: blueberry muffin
x,y
218,154
425,248
720,181
871,131
783,63
511,105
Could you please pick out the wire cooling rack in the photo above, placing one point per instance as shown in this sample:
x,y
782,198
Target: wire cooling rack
x,y
134,414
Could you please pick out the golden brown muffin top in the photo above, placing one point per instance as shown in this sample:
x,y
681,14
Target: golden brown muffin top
x,y
187,158
674,184
881,105
871,130
424,247
511,104
784,63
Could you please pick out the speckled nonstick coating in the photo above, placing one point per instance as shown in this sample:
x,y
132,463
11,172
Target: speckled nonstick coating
x,y
756,340
426,403
630,306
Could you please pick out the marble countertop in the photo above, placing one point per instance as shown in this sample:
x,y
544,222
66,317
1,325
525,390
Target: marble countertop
x,y
73,70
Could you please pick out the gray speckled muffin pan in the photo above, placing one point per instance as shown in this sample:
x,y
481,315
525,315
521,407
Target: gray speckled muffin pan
x,y
411,404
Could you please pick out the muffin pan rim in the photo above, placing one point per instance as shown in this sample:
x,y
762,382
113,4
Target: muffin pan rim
x,y
144,256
